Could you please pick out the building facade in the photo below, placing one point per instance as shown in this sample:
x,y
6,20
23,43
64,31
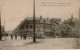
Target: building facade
x,y
43,27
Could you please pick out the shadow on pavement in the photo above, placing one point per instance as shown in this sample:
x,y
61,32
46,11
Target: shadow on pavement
x,y
31,43
2,40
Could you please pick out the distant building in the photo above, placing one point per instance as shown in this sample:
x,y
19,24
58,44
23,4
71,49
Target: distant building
x,y
42,26
73,24
45,27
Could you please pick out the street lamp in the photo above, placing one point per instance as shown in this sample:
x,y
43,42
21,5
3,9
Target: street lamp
x,y
34,37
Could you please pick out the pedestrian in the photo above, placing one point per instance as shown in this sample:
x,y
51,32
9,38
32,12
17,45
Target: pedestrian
x,y
1,35
24,36
15,36
5,37
11,36
21,37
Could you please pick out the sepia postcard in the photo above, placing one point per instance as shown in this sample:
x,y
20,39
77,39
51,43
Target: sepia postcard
x,y
39,24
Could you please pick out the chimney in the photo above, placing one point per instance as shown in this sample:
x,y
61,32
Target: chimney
x,y
40,17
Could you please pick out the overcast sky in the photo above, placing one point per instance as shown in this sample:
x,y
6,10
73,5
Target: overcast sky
x,y
14,11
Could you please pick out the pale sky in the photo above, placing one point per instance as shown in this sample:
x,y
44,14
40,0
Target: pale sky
x,y
14,11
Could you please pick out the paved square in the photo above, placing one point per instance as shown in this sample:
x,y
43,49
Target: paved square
x,y
55,43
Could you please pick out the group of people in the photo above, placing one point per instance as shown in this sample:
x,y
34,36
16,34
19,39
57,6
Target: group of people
x,y
21,36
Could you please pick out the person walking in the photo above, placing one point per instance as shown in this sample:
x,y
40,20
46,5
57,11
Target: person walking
x,y
11,36
21,36
5,37
16,37
24,36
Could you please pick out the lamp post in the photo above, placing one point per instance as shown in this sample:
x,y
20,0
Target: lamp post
x,y
79,23
0,26
34,36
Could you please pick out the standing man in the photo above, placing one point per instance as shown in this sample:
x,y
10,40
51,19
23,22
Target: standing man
x,y
15,36
24,36
11,36
1,36
21,37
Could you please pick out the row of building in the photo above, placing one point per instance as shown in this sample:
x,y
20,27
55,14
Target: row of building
x,y
45,27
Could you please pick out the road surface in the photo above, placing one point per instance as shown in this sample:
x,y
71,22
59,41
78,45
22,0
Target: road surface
x,y
55,43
